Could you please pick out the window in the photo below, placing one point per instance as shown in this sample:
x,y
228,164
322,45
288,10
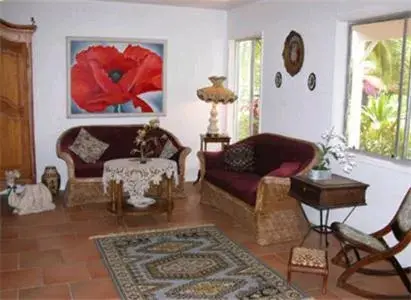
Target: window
x,y
248,85
378,108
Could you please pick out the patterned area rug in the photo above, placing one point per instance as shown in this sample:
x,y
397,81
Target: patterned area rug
x,y
188,263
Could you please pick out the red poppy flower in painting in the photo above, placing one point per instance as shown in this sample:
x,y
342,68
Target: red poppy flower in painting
x,y
103,76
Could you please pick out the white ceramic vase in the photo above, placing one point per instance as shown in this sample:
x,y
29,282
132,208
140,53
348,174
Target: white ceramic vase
x,y
319,174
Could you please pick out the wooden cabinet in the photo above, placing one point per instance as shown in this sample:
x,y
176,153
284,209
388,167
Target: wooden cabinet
x,y
16,102
336,192
324,195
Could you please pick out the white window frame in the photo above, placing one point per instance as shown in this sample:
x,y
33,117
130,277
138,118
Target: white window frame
x,y
406,16
236,84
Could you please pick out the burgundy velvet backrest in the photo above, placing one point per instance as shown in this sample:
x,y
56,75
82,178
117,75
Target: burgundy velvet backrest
x,y
119,137
271,150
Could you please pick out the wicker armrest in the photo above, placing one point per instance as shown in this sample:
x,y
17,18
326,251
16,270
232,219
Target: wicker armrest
x,y
66,157
210,160
182,158
271,190
278,217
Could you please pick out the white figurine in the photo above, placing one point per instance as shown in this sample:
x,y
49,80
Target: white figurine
x,y
30,198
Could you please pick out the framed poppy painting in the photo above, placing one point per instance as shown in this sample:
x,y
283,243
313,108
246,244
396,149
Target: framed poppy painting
x,y
115,77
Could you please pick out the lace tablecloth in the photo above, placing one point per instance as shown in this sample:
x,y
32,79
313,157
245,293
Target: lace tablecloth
x,y
138,177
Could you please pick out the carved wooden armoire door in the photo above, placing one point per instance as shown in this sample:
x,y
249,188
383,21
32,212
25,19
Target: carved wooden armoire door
x,y
16,105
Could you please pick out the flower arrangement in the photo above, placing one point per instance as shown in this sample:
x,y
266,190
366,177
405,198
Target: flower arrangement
x,y
334,146
141,140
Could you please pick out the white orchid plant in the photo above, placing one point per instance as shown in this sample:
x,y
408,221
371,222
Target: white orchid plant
x,y
334,146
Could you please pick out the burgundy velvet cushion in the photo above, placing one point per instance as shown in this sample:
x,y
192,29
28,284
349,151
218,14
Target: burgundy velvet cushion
x,y
84,170
272,150
267,158
242,185
286,169
214,160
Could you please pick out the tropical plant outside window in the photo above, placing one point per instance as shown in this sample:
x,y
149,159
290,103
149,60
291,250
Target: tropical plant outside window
x,y
378,91
248,82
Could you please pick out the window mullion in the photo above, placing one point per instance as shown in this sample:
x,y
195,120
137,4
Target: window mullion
x,y
237,88
252,75
408,110
401,83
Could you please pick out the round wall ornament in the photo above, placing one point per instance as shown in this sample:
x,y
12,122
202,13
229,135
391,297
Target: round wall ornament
x,y
278,79
293,53
312,81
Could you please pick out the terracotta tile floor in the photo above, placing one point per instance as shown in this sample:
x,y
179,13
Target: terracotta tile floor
x,y
49,256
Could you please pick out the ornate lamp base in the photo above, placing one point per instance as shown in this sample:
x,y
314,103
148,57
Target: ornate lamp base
x,y
212,128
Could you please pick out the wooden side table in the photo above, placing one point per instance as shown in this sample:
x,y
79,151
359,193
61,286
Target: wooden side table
x,y
224,140
337,192
206,139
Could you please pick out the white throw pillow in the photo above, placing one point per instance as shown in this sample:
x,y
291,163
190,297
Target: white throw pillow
x,y
87,147
168,150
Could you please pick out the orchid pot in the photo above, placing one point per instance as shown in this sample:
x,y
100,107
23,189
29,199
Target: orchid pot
x,y
320,174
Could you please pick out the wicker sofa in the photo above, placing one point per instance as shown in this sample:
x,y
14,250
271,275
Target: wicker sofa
x,y
84,184
259,199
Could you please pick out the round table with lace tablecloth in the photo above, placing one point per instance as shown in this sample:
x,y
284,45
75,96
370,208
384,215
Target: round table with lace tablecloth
x,y
129,176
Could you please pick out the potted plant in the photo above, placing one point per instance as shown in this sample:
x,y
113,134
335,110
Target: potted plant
x,y
141,140
334,146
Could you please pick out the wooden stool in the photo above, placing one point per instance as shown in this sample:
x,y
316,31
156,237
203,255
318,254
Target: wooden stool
x,y
308,260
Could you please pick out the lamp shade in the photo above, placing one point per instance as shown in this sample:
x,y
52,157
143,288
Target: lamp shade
x,y
216,93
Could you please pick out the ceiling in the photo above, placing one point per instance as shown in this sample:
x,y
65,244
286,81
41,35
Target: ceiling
x,y
214,4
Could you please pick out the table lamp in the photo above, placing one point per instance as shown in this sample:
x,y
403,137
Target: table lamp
x,y
215,94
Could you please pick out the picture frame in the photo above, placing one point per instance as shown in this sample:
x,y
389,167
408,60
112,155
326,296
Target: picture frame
x,y
278,80
293,53
311,81
105,78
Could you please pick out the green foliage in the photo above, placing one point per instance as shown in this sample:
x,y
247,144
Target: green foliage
x,y
379,115
244,126
378,124
248,108
385,62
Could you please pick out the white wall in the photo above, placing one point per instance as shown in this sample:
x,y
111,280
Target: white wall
x,y
294,110
196,49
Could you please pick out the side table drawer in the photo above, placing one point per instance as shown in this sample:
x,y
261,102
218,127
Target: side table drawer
x,y
305,193
327,196
344,197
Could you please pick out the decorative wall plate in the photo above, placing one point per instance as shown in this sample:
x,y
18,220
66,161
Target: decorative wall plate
x,y
293,53
278,79
312,81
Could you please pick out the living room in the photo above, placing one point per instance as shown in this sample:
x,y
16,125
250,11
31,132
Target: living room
x,y
198,42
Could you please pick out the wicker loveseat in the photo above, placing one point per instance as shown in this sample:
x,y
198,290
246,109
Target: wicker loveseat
x,y
84,184
259,198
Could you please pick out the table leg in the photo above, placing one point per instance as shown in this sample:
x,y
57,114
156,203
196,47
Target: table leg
x,y
118,196
170,204
199,172
112,196
327,214
306,235
198,177
323,228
